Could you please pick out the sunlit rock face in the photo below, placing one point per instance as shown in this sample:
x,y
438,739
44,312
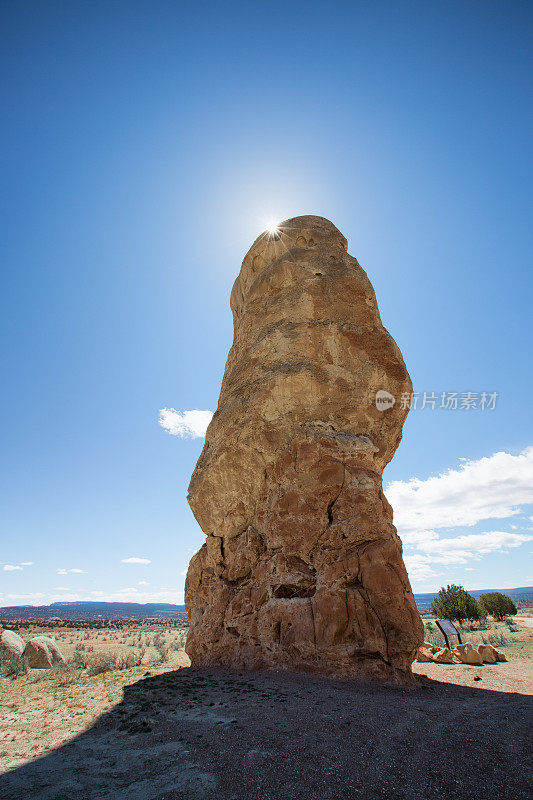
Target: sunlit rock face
x,y
302,567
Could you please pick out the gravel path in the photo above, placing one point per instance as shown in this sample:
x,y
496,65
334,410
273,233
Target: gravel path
x,y
220,735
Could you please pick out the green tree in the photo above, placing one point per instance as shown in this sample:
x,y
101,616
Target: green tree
x,y
454,602
498,605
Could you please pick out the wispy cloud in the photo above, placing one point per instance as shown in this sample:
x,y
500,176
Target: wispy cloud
x,y
17,567
136,560
129,594
133,594
187,424
459,549
494,487
419,567
490,488
39,596
74,570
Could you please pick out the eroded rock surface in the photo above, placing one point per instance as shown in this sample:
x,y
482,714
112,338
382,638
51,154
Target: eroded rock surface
x,y
11,643
42,652
302,567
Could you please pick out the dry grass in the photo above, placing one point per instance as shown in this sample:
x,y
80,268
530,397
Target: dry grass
x,y
511,636
114,648
42,708
97,651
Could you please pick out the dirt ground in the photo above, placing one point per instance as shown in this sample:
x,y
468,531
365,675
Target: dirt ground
x,y
220,735
167,732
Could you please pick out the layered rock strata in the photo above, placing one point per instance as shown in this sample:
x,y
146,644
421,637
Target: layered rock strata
x,y
302,567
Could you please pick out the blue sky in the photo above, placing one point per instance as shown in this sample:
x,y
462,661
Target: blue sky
x,y
144,147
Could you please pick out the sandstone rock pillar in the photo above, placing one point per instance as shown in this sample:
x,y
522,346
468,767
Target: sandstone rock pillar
x,y
302,567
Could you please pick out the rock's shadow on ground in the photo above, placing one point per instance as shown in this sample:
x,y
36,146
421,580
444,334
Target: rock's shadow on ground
x,y
221,735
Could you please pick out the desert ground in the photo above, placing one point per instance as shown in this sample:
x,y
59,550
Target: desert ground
x,y
128,719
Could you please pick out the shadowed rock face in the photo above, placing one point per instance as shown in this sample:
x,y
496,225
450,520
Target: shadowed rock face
x,y
302,567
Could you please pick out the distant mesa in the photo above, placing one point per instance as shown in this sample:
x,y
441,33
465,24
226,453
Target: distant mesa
x,y
87,610
522,596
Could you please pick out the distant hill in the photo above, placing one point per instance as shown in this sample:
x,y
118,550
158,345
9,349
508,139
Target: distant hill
x,y
523,595
84,610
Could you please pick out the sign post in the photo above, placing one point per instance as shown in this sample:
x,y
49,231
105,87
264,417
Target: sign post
x,y
447,628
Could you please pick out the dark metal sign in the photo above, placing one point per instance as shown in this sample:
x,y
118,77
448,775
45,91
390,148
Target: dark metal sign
x,y
447,628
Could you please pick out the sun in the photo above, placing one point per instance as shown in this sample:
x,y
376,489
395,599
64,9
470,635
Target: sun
x,y
272,227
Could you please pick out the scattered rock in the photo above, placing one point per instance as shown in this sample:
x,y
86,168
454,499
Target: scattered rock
x,y
467,654
424,655
501,656
43,652
443,656
11,643
302,567
428,652
489,654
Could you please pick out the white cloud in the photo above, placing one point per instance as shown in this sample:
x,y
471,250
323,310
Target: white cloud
x,y
73,570
131,594
419,566
189,424
458,549
474,545
26,597
63,597
143,583
128,594
11,568
26,563
136,560
490,488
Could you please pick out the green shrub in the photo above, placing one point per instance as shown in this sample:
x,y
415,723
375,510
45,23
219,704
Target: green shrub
x,y
455,603
498,605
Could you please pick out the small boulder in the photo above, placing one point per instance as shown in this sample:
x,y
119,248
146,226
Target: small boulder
x,y
444,656
500,656
467,654
488,653
425,654
11,643
42,652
